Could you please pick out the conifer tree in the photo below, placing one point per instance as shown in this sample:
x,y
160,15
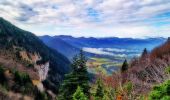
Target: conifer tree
x,y
124,66
2,76
168,39
99,91
79,95
145,52
77,77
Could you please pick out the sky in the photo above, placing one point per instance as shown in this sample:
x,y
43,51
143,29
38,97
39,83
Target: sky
x,y
90,18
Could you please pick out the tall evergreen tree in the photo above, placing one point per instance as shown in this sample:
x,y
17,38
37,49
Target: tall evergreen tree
x,y
99,91
144,53
77,77
124,66
168,39
2,76
79,95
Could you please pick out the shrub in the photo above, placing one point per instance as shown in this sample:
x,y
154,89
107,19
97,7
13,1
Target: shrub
x,y
40,95
128,86
2,76
79,95
161,92
23,83
22,78
167,70
3,89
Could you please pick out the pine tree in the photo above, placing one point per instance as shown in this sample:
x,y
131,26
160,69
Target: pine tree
x,y
145,53
168,39
79,95
77,77
124,66
99,91
2,76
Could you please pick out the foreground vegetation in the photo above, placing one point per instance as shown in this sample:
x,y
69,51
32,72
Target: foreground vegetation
x,y
143,78
14,82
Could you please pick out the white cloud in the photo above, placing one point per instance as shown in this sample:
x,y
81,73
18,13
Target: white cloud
x,y
101,51
122,18
97,51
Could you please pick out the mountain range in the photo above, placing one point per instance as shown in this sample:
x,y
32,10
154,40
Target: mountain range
x,y
105,43
61,46
106,52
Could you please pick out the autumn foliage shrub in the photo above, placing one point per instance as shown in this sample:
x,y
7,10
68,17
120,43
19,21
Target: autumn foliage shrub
x,y
160,51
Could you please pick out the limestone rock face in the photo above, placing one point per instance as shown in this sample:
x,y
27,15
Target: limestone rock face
x,y
42,70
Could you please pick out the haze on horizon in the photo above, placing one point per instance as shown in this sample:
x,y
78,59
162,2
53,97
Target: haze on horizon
x,y
90,18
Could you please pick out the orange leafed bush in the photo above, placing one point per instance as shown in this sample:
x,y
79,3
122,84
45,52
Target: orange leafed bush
x,y
160,51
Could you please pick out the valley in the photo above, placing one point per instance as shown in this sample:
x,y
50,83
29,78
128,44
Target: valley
x,y
103,65
84,49
104,55
65,67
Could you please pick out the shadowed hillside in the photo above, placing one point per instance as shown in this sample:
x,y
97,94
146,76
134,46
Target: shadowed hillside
x,y
23,52
61,46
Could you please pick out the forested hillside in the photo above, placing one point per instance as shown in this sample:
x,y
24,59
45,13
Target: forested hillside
x,y
61,46
27,59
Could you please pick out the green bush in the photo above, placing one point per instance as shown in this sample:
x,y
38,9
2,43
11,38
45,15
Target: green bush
x,y
128,86
161,92
3,89
40,95
167,70
23,83
22,78
100,90
79,95
2,76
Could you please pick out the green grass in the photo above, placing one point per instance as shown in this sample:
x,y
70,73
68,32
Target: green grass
x,y
101,61
167,70
98,63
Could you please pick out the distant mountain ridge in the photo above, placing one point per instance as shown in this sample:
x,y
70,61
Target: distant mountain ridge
x,y
109,41
61,46
102,51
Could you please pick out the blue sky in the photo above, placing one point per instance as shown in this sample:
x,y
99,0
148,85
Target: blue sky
x,y
90,18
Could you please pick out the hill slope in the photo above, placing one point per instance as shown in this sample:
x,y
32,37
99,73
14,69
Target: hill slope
x,y
139,79
149,70
25,52
61,46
